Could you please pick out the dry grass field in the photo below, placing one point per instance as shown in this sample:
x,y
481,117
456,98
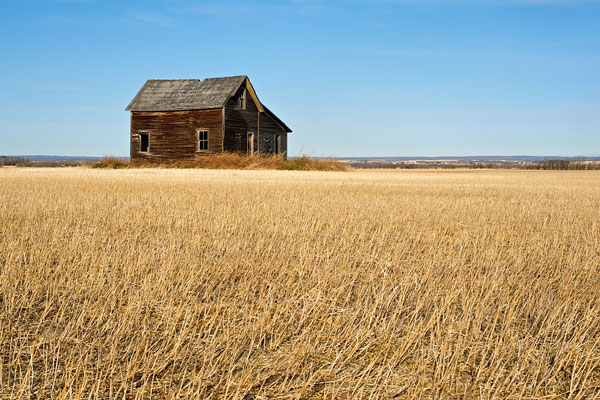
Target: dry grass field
x,y
184,284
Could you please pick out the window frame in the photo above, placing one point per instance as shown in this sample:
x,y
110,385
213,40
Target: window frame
x,y
200,141
242,99
140,134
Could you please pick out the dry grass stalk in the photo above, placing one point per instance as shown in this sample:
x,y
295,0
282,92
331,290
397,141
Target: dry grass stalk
x,y
172,284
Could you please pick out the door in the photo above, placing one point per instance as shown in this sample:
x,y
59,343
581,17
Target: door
x,y
251,143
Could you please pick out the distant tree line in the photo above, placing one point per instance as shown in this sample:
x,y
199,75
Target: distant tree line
x,y
8,161
549,164
566,164
14,161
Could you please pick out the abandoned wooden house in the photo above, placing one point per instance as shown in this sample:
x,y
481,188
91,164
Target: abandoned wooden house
x,y
185,118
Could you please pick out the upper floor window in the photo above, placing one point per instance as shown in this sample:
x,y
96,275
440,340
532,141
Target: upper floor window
x,y
202,140
242,99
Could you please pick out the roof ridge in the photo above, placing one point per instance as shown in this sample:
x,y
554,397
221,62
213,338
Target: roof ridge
x,y
198,79
175,80
226,77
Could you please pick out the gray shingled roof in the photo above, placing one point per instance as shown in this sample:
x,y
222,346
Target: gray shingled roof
x,y
185,94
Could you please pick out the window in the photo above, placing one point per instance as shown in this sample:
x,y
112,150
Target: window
x,y
202,140
242,99
144,142
277,144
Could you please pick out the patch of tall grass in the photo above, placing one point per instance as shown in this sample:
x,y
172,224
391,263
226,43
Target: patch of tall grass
x,y
232,161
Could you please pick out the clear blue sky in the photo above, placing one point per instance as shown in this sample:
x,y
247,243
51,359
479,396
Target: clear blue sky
x,y
350,77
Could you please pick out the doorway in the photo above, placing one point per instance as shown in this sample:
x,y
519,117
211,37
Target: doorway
x,y
251,143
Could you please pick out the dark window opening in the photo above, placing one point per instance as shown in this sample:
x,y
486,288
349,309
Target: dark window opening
x,y
202,140
144,142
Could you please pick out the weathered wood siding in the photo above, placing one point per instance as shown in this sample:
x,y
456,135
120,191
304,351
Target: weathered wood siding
x,y
238,123
269,130
174,135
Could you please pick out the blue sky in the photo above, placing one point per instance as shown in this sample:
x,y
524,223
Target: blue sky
x,y
350,77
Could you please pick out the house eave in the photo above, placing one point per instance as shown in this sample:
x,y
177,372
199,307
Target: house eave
x,y
278,121
175,110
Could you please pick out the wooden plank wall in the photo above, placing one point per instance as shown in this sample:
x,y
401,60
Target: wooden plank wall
x,y
269,129
284,144
173,135
238,123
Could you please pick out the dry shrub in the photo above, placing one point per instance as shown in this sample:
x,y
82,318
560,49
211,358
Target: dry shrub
x,y
111,163
306,163
208,284
242,161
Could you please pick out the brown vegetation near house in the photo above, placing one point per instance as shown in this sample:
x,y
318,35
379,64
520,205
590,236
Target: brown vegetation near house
x,y
171,283
111,163
233,161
